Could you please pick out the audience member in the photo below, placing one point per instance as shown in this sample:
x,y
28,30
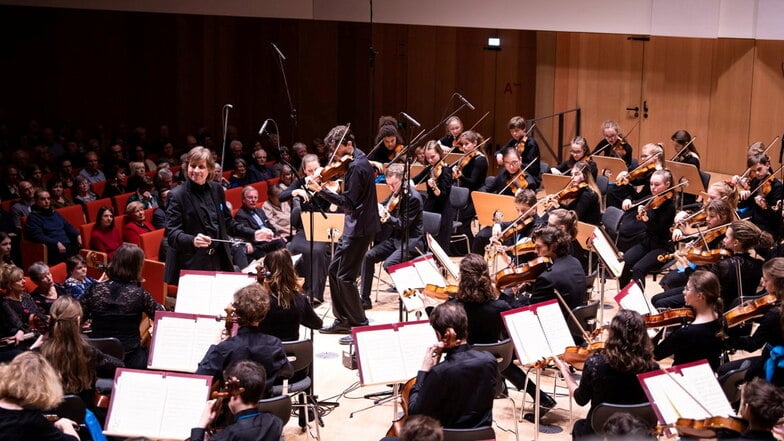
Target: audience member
x,y
47,226
91,172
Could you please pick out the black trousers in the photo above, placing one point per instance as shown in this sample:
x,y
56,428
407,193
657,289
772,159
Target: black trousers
x,y
343,271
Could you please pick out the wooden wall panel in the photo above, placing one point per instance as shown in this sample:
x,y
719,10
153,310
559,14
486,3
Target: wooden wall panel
x,y
767,97
728,128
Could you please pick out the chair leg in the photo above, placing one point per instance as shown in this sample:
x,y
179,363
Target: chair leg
x,y
514,418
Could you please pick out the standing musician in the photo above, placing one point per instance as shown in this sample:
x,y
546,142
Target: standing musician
x,y
769,335
739,275
527,150
578,152
393,219
610,375
760,203
470,172
359,203
582,195
392,144
509,180
614,145
686,152
251,304
524,200
250,424
454,127
657,216
704,337
439,184
459,390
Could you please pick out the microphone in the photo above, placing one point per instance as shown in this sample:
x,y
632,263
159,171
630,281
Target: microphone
x,y
781,152
264,126
465,101
410,119
228,105
280,54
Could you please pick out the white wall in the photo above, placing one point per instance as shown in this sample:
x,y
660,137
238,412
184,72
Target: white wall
x,y
760,19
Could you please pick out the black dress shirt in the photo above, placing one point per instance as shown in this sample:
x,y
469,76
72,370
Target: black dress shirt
x,y
249,425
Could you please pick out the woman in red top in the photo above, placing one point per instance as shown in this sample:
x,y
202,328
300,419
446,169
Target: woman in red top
x,y
105,237
135,223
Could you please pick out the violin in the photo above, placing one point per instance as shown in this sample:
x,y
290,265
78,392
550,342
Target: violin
x,y
512,230
670,317
390,206
405,398
523,246
462,162
231,317
710,427
577,355
441,293
522,273
698,257
517,182
655,202
570,192
749,310
11,341
335,169
647,166
231,388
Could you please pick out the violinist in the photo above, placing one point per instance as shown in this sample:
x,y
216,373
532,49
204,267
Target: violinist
x,y
471,170
768,336
527,150
686,153
524,200
642,258
251,305
483,308
759,203
315,273
391,141
703,338
738,274
621,195
454,127
578,152
359,203
566,275
393,220
419,156
250,424
17,308
439,184
582,195
719,190
610,375
614,145
566,221
763,408
511,179
459,390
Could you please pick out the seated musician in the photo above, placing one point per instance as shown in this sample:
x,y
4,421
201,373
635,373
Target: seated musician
x,y
582,195
439,184
459,390
503,182
739,274
18,313
624,187
483,308
706,238
250,424
610,374
566,221
685,152
704,337
389,136
759,203
251,304
763,408
524,200
527,149
768,336
453,127
657,217
578,152
613,145
390,248
565,275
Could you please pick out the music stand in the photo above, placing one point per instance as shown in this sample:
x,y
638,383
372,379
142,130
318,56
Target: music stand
x,y
324,230
441,257
492,208
451,158
554,183
609,166
594,239
682,172
382,192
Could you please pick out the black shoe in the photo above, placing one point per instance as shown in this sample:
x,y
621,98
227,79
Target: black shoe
x,y
316,301
347,340
546,404
367,304
336,328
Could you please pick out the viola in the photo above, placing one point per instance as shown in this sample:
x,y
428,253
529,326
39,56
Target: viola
x,y
522,273
441,293
392,203
698,257
335,169
670,317
231,317
749,310
577,355
709,427
405,398
231,388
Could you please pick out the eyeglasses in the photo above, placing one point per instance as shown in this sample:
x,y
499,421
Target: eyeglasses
x,y
513,163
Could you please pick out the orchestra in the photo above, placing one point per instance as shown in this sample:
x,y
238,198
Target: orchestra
x,y
720,294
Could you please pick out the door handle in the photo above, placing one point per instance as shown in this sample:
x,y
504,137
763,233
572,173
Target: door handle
x,y
636,111
645,109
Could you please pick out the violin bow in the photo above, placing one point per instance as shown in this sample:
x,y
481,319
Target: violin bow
x,y
764,152
586,335
767,178
479,120
680,152
342,137
522,216
466,154
518,174
652,197
405,150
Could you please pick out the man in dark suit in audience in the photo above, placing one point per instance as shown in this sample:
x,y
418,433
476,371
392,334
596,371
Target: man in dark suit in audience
x,y
253,216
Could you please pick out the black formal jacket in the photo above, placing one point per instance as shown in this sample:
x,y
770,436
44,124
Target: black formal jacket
x,y
530,153
413,217
250,425
186,216
565,275
358,199
245,217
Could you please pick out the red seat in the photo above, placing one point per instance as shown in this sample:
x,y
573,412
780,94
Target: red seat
x,y
151,243
99,187
261,187
234,197
120,202
59,272
73,214
94,206
153,276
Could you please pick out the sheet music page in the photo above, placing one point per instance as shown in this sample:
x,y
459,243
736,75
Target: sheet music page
x,y
193,293
380,357
406,277
173,337
415,339
675,397
527,335
441,256
225,285
556,331
428,272
606,251
208,332
185,400
702,378
632,297
137,404
658,387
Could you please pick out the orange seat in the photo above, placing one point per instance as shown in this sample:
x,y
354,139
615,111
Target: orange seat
x,y
261,186
73,214
153,276
94,206
120,202
151,243
98,188
86,230
59,272
234,197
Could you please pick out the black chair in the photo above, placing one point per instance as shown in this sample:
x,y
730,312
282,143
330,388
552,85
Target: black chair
x,y
586,315
503,351
458,199
279,406
706,177
476,434
731,382
72,407
611,219
300,355
109,346
603,412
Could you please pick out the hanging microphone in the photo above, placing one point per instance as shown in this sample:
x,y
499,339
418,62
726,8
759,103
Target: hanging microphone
x,y
264,126
280,54
410,119
465,101
228,105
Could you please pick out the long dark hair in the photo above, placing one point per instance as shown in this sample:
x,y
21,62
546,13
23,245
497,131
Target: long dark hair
x,y
281,277
65,348
628,347
475,284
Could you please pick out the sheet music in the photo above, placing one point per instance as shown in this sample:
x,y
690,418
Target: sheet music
x,y
405,276
556,330
137,398
632,298
527,336
185,400
380,357
428,271
415,339
709,389
192,292
225,285
173,339
208,333
441,256
606,252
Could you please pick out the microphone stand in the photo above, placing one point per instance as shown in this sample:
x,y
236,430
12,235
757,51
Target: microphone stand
x,y
293,110
225,115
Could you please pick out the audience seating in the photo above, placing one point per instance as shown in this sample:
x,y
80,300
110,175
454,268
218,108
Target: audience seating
x,y
99,187
73,214
151,243
234,197
153,280
91,208
120,201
